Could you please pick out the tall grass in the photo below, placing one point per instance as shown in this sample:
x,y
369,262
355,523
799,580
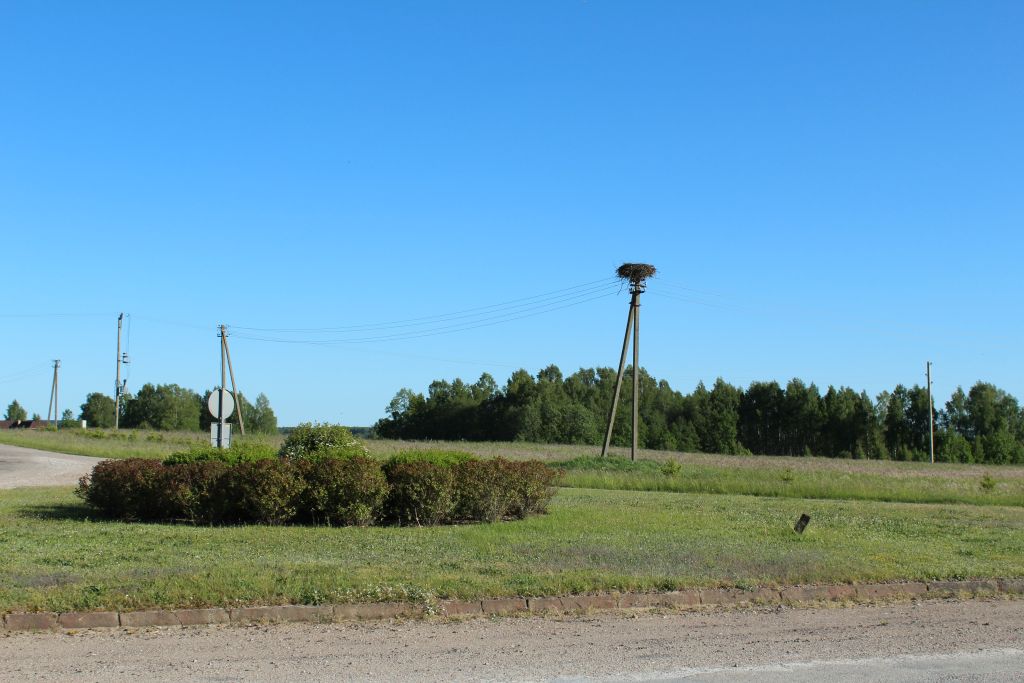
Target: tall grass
x,y
648,475
108,443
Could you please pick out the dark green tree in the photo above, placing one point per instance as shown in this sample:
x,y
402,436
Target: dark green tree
x,y
98,410
164,407
260,418
15,412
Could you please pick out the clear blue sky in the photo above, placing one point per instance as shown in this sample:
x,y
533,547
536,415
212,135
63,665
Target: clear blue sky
x,y
842,184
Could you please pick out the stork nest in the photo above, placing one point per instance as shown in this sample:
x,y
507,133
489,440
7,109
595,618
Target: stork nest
x,y
635,272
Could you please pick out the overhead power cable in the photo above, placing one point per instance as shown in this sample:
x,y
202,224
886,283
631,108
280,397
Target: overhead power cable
x,y
524,303
37,369
430,332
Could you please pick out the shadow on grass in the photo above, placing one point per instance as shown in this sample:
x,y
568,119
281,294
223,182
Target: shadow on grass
x,y
70,512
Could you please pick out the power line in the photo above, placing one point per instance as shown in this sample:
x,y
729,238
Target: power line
x,y
521,303
418,334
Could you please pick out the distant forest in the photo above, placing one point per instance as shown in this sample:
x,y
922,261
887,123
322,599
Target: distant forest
x,y
984,424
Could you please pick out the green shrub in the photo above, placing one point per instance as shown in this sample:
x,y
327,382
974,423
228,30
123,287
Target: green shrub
x,y
343,491
314,440
128,489
352,490
263,492
532,483
196,492
483,491
671,468
422,493
240,451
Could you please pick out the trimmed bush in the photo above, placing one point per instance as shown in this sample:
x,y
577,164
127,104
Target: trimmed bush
x,y
532,484
238,452
128,489
483,490
263,492
422,493
354,490
342,491
196,492
310,441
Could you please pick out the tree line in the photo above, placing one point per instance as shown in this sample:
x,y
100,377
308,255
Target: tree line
x,y
163,407
984,424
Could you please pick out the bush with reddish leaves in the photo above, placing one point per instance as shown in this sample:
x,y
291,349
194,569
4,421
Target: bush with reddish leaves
x,y
348,490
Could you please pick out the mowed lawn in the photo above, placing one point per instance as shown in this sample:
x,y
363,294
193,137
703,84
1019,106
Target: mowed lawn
x,y
54,557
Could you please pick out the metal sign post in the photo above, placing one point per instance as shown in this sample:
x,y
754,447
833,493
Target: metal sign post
x,y
221,406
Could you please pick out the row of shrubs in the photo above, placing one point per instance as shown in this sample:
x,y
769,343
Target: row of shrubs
x,y
324,486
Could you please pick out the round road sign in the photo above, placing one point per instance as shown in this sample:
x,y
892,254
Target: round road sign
x,y
214,403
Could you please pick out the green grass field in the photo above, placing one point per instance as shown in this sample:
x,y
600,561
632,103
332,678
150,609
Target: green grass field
x,y
708,521
54,557
820,478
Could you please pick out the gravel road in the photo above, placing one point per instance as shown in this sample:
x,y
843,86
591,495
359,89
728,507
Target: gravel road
x,y
29,467
925,641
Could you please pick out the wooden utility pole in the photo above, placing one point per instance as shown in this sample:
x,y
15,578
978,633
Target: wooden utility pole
x,y
931,422
54,396
220,394
231,373
636,274
117,380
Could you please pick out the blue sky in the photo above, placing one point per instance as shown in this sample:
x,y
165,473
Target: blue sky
x,y
830,191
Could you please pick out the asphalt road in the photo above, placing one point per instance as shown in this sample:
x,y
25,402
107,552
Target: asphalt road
x,y
29,467
935,640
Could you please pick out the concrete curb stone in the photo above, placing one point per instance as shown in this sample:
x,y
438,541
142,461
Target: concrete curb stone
x,y
797,594
31,621
541,605
504,605
377,610
45,621
202,617
155,617
874,591
729,596
460,607
957,587
88,620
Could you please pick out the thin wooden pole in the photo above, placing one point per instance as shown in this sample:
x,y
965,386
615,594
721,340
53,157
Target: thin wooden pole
x,y
220,394
618,379
636,375
117,381
234,387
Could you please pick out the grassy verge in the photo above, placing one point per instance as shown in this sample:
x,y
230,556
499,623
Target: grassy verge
x,y
107,443
53,557
792,482
822,478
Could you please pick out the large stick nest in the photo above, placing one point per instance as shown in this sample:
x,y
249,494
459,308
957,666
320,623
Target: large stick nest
x,y
635,272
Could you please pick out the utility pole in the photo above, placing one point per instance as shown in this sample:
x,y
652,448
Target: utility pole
x,y
223,383
636,274
53,397
117,380
231,373
931,422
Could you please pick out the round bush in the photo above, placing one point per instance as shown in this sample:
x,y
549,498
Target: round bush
x,y
262,492
422,493
313,440
343,491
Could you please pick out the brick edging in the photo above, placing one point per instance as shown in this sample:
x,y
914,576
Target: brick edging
x,y
792,595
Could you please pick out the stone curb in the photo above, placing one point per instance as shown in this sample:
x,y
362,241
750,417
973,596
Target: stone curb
x,y
721,597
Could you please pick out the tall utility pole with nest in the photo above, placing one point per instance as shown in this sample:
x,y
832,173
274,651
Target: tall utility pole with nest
x,y
636,274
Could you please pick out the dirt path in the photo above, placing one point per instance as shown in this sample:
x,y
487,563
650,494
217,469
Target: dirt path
x,y
29,467
933,640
